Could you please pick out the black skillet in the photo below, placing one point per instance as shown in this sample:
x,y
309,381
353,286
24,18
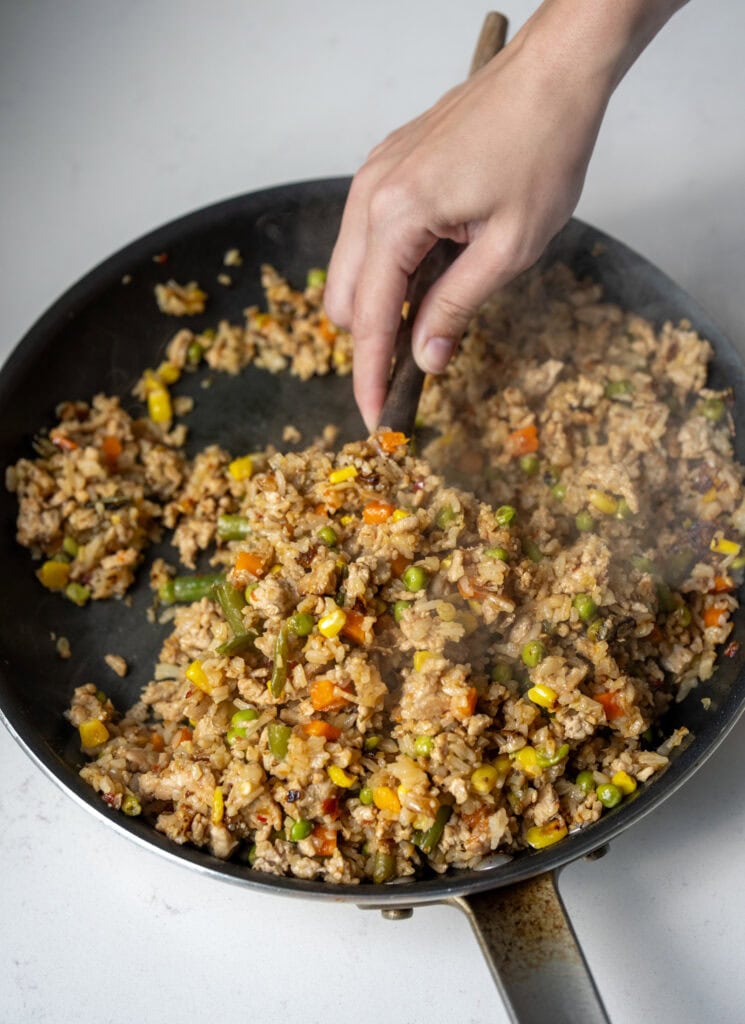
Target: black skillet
x,y
99,337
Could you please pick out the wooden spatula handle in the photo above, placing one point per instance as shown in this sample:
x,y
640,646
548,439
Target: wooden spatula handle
x,y
405,385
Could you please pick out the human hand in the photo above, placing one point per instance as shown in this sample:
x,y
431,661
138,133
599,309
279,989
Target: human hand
x,y
497,164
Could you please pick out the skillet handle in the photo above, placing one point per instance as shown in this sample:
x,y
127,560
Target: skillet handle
x,y
533,953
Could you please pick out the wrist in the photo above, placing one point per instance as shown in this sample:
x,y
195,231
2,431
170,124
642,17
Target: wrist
x,y
594,41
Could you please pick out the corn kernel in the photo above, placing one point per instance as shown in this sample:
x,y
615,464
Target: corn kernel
x,y
526,760
484,779
331,624
711,495
386,800
241,468
339,476
196,675
604,502
503,764
399,514
54,575
724,547
159,405
339,777
92,733
346,520
421,658
625,782
275,570
544,696
541,836
218,806
168,373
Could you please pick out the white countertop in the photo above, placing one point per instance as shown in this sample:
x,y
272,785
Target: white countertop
x,y
117,117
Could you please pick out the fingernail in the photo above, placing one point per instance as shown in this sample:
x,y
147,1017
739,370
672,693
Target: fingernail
x,y
436,354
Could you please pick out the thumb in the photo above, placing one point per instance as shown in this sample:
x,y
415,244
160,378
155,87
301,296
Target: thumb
x,y
454,299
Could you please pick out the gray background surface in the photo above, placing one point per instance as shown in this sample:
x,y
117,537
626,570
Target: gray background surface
x,y
117,117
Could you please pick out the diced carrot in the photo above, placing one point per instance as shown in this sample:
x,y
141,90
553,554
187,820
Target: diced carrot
x,y
156,741
714,616
60,438
334,498
722,584
523,441
323,695
390,440
249,561
399,564
611,705
327,330
112,448
352,627
377,511
324,840
466,706
317,727
182,735
320,510
330,808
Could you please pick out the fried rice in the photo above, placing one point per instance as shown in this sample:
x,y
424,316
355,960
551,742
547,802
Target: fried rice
x,y
387,673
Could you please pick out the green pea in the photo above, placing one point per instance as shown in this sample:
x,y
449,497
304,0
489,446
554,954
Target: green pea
x,y
712,409
532,653
530,464
131,805
624,510
423,746
316,277
609,795
598,630
327,534
586,607
234,734
586,782
501,672
532,550
278,736
242,717
681,616
501,553
399,607
559,491
415,578
366,796
505,515
70,546
549,760
617,388
194,353
301,623
300,829
584,521
78,594
372,742
252,854
101,697
445,517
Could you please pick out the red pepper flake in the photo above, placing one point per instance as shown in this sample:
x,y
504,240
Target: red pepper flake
x,y
262,818
731,649
160,257
330,807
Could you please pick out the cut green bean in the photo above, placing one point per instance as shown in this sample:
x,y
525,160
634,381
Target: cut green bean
x,y
238,644
186,589
279,670
232,603
384,867
428,840
233,527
